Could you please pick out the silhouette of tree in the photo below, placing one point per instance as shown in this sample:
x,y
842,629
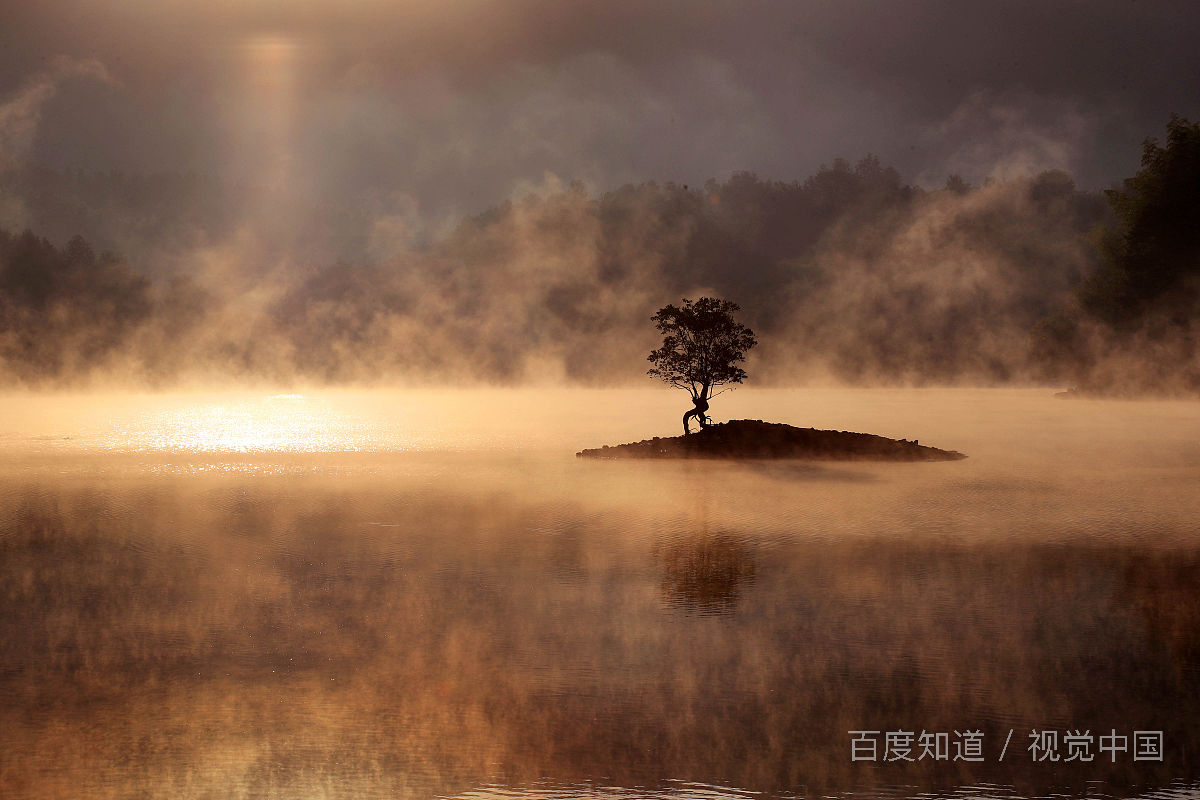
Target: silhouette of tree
x,y
1150,260
702,345
955,184
65,311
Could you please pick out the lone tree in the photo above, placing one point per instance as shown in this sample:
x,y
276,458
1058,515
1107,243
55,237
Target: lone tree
x,y
702,345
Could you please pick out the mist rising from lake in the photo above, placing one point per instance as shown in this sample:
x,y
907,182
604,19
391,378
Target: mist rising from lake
x,y
418,594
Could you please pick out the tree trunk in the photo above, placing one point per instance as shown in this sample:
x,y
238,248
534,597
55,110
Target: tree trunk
x,y
700,411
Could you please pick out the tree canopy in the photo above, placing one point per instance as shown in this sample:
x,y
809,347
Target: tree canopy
x,y
1150,260
702,347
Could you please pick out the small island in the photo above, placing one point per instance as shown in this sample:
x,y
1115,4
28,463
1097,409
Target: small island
x,y
751,438
702,346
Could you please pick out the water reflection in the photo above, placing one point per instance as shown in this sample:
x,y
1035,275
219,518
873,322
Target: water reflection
x,y
793,471
705,573
684,790
414,635
1163,588
425,609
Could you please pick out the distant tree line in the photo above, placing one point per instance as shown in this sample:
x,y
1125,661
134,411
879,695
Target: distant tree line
x,y
1136,314
66,313
849,275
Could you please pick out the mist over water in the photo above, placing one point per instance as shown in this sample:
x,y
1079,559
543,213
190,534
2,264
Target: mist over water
x,y
849,275
418,594
307,307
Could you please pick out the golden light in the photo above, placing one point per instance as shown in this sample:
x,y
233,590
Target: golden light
x,y
269,64
282,423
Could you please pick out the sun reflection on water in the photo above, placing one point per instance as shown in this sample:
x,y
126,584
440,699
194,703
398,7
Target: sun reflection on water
x,y
276,424
281,423
235,424
250,425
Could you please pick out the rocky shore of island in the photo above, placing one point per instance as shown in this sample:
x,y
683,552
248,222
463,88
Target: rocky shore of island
x,y
750,438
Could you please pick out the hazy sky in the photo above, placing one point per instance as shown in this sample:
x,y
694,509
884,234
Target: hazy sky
x,y
443,108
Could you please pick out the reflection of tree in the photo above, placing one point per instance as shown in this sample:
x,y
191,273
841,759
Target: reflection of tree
x,y
705,573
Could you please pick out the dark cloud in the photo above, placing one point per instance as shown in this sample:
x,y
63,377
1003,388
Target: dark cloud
x,y
456,103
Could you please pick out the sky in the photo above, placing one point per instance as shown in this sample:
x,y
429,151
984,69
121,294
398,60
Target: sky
x,y
436,110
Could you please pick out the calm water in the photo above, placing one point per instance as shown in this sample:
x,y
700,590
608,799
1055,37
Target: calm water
x,y
392,595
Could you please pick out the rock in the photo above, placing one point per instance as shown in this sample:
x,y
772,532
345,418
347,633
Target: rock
x,y
756,439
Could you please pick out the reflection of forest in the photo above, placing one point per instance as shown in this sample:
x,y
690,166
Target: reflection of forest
x,y
1164,588
706,573
168,640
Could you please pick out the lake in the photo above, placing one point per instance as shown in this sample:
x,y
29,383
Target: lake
x,y
377,594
